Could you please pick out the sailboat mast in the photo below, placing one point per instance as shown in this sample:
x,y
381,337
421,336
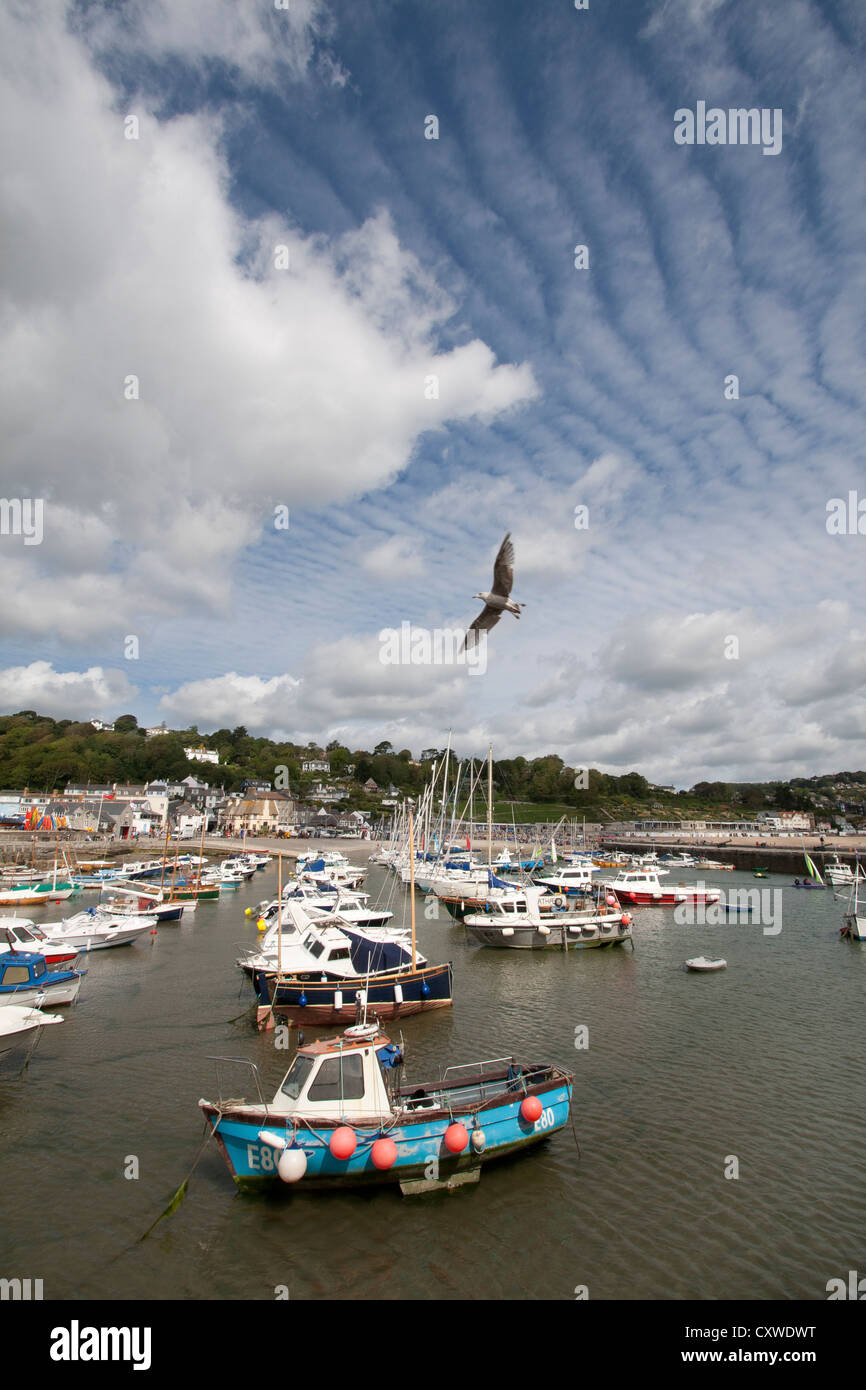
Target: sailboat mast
x,y
490,807
412,878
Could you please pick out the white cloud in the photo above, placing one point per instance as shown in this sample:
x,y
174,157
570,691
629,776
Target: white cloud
x,y
259,704
64,694
257,385
252,36
396,558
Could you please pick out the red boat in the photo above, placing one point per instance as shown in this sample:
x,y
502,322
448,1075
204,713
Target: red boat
x,y
642,888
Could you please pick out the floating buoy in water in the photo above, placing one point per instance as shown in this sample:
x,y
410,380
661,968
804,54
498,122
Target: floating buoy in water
x,y
343,1142
479,1139
531,1109
248,912
456,1138
262,924
292,1165
384,1153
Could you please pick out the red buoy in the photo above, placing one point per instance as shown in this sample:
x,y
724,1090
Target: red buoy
x,y
531,1109
625,918
384,1153
456,1138
343,1142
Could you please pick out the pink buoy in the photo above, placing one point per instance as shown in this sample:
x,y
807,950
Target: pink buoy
x,y
343,1142
456,1138
384,1154
531,1109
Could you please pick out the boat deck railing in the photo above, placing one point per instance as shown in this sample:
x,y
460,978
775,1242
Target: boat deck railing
x,y
236,1062
477,1091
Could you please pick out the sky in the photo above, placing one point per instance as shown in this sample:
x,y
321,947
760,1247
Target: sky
x,y
294,330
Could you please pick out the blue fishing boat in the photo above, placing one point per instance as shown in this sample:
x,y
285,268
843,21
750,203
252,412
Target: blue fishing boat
x,y
342,1118
25,979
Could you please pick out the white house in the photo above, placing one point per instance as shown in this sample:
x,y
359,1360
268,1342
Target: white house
x,y
202,755
102,728
316,765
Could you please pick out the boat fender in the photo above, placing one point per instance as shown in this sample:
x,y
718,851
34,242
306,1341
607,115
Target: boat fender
x,y
384,1154
531,1109
456,1138
625,919
292,1165
479,1139
425,988
343,1143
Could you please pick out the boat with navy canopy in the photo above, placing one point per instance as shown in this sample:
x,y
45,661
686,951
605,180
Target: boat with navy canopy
x,y
341,1117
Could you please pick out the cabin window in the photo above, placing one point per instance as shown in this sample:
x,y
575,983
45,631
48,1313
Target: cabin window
x,y
296,1076
330,1085
38,968
341,953
16,975
316,949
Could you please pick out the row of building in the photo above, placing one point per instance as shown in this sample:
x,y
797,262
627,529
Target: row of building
x,y
128,811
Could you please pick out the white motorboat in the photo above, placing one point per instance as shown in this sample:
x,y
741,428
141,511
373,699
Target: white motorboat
x,y
18,1021
519,923
855,919
95,930
702,963
838,873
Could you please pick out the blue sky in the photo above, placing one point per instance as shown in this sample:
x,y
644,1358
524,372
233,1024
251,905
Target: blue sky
x,y
558,387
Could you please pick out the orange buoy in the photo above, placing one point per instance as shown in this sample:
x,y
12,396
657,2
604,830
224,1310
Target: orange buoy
x,y
625,918
384,1153
531,1109
343,1142
456,1138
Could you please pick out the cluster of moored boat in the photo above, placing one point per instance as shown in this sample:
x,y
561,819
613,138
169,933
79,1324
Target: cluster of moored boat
x,y
40,963
343,1115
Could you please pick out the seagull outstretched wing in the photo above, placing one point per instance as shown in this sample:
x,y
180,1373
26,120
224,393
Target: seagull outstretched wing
x,y
503,571
487,618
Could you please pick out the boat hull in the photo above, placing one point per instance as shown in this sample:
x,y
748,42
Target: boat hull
x,y
395,994
530,938
53,995
669,899
421,1152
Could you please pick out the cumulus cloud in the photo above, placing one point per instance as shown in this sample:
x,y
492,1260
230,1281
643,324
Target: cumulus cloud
x,y
168,359
64,694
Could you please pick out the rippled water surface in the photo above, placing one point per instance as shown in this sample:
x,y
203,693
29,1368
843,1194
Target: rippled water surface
x,y
763,1062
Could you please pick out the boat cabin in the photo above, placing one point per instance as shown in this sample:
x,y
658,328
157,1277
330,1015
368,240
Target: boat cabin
x,y
341,1078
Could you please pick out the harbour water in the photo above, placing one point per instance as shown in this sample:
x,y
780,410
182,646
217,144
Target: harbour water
x,y
762,1063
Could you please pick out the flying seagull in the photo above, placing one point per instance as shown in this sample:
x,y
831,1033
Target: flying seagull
x,y
497,601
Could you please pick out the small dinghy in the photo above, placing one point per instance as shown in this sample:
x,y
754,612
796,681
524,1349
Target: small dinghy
x,y
702,963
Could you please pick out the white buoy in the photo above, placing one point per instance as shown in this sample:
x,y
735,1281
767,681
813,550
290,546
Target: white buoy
x,y
479,1139
292,1165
